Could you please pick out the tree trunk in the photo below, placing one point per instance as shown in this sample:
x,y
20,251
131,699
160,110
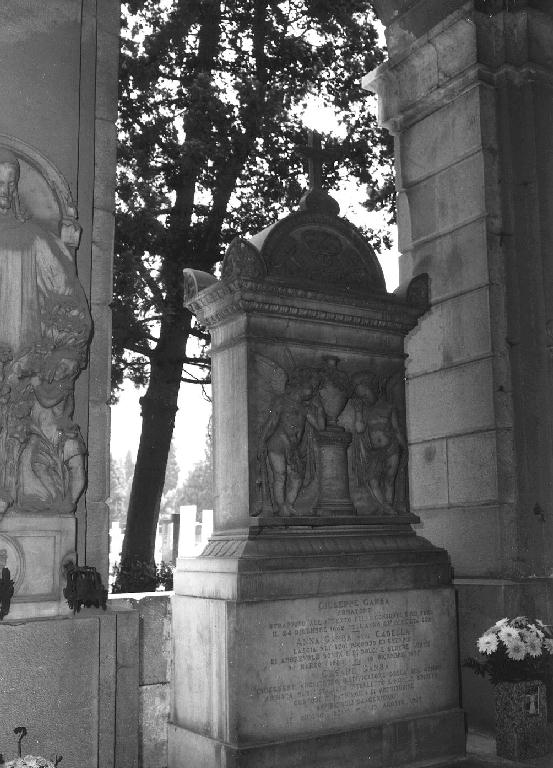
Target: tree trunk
x,y
159,406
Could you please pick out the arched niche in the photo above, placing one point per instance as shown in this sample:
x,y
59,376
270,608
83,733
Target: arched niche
x,y
44,192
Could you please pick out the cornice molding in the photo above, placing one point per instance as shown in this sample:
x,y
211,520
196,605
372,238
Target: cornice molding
x,y
224,300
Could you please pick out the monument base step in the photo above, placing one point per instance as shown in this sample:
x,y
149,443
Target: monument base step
x,y
414,742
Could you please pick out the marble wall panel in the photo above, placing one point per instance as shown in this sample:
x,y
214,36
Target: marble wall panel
x,y
454,400
428,483
452,332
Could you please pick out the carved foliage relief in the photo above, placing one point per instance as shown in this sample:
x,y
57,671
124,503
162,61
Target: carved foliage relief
x,y
312,414
45,328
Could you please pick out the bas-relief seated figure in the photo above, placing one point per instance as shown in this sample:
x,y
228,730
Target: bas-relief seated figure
x,y
44,332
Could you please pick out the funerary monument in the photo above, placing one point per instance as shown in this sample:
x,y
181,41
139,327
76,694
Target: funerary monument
x,y
316,626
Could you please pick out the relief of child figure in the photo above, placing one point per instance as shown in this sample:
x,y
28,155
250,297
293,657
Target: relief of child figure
x,y
378,442
286,455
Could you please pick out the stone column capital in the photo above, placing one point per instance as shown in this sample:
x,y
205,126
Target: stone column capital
x,y
467,48
408,20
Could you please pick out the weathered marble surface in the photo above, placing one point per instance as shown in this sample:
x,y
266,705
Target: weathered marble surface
x,y
45,329
313,565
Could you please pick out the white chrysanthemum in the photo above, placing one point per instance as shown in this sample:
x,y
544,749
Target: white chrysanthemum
x,y
548,645
508,634
500,623
516,650
533,646
487,643
30,761
536,630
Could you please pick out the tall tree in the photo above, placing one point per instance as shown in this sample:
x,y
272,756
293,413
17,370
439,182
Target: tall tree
x,y
212,95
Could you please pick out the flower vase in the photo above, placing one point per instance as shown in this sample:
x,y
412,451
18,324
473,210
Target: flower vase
x,y
521,720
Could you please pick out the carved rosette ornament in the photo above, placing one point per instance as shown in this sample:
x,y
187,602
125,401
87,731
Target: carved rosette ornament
x,y
45,328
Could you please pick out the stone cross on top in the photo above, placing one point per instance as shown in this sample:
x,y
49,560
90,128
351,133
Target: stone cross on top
x,y
316,156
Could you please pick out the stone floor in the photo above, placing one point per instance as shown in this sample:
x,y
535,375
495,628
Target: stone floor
x,y
481,754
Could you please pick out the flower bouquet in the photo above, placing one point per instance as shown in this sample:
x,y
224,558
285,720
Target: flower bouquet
x,y
29,761
517,656
514,650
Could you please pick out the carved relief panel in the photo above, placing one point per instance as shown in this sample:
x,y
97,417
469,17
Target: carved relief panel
x,y
45,328
330,441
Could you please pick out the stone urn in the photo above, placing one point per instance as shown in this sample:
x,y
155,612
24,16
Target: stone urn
x,y
334,392
521,720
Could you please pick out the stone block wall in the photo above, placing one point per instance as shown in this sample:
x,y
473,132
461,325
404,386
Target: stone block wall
x,y
100,695
458,394
155,673
73,684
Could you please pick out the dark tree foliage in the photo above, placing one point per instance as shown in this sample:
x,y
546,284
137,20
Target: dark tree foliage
x,y
210,114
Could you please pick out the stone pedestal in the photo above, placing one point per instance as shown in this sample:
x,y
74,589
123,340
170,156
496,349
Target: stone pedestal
x,y
36,548
316,628
334,497
315,646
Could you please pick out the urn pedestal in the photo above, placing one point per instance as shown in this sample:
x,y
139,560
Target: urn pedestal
x,y
521,720
334,497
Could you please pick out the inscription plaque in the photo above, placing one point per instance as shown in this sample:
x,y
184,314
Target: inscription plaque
x,y
327,663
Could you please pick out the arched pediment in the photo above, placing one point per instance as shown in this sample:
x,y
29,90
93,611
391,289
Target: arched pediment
x,y
310,249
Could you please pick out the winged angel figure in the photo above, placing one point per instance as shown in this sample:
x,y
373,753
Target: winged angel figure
x,y
379,447
286,455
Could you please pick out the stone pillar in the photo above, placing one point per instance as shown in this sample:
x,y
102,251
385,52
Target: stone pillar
x,y
334,497
468,94
71,679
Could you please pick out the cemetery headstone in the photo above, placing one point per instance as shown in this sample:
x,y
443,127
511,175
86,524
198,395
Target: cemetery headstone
x,y
316,626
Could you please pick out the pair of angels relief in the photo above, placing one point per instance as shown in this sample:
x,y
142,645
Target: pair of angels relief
x,y
307,406
45,327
